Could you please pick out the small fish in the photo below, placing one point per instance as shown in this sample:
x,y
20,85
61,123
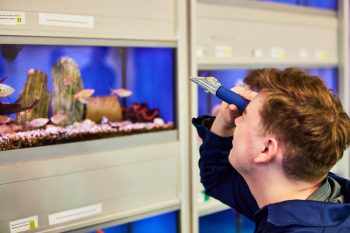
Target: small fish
x,y
84,101
5,90
68,80
38,122
5,119
83,94
5,129
15,127
58,118
122,92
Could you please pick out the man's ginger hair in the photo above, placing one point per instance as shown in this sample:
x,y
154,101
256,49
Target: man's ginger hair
x,y
306,117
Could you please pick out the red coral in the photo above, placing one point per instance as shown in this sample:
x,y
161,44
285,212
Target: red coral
x,y
139,112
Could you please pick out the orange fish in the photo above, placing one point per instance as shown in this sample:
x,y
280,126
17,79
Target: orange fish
x,y
5,129
83,94
5,119
58,118
15,127
38,122
122,92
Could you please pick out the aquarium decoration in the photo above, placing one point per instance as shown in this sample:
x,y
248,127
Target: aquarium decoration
x,y
34,94
64,111
67,91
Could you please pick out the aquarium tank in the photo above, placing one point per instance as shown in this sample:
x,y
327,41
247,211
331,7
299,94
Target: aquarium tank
x,y
52,94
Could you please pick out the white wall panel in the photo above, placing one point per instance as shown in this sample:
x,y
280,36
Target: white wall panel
x,y
121,180
233,36
135,19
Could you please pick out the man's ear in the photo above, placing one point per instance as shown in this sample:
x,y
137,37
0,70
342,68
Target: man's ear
x,y
268,152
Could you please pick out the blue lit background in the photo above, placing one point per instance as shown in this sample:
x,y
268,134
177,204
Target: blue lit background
x,y
154,69
149,72
320,4
228,78
164,223
228,221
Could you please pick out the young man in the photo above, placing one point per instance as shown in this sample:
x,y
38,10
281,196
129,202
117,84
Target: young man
x,y
275,168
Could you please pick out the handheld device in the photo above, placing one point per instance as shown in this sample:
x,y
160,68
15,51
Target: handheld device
x,y
212,85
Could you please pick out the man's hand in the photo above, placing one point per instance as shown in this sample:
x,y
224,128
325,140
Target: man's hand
x,y
225,120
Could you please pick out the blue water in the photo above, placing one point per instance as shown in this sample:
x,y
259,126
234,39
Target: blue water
x,y
320,4
163,223
147,72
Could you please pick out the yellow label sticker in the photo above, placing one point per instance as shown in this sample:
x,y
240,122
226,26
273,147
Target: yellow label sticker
x,y
24,224
321,54
12,17
223,51
31,225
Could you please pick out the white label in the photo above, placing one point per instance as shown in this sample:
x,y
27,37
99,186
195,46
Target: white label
x,y
321,54
223,51
278,53
74,214
24,224
66,20
257,53
12,17
200,51
304,53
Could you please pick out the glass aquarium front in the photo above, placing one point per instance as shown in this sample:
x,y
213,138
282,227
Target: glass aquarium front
x,y
52,94
167,222
330,5
209,104
228,221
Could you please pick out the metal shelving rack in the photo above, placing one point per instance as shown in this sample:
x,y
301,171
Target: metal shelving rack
x,y
129,177
249,34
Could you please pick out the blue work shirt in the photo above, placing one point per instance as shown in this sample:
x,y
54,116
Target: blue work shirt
x,y
224,183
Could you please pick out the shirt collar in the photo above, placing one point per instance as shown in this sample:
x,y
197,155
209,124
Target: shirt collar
x,y
304,212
